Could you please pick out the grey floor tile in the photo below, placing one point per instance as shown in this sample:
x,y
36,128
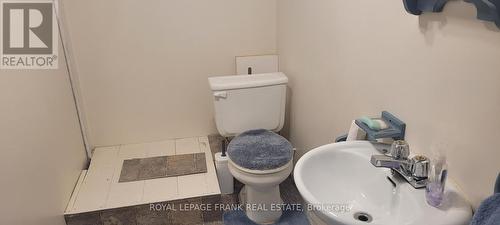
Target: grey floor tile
x,y
215,142
187,217
153,167
130,170
180,165
121,216
215,212
289,192
230,199
162,166
214,223
92,218
200,163
148,216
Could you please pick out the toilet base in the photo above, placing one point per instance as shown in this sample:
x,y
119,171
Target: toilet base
x,y
260,197
262,204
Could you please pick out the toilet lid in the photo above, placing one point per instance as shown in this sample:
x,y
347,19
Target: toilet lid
x,y
260,150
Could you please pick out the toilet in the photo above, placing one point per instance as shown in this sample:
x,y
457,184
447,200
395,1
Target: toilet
x,y
251,108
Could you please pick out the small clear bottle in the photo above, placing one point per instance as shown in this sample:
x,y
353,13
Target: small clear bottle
x,y
438,173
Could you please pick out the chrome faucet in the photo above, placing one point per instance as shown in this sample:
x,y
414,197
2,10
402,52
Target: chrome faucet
x,y
414,170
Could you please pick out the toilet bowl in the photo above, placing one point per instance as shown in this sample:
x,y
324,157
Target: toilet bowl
x,y
261,160
251,108
262,194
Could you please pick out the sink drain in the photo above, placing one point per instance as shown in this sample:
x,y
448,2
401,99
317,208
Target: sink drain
x,y
363,217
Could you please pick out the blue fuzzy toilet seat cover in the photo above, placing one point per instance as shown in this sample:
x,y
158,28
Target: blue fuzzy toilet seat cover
x,y
260,150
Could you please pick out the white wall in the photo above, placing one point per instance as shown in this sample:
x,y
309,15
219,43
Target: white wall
x,y
143,66
439,73
41,146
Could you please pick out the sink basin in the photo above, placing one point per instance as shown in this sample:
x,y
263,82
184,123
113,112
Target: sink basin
x,y
342,185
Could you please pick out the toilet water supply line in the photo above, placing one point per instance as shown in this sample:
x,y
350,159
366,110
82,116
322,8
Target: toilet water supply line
x,y
72,79
224,146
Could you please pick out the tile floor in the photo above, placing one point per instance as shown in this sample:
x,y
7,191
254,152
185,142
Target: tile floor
x,y
142,214
156,213
99,189
162,166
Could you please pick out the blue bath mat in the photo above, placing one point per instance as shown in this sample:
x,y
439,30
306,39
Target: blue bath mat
x,y
289,217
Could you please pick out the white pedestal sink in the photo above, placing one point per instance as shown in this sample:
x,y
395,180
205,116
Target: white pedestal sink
x,y
346,188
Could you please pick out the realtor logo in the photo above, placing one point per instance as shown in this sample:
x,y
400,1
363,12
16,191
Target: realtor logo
x,y
29,35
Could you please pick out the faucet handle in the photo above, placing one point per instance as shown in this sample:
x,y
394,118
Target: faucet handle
x,y
400,149
420,166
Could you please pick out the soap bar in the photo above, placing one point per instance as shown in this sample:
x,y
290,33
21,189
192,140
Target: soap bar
x,y
374,124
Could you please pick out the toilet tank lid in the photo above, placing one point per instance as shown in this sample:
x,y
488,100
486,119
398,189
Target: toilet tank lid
x,y
221,83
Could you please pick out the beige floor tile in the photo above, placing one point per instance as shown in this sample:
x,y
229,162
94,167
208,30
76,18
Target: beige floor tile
x,y
132,151
101,190
129,193
94,190
161,148
158,190
125,194
212,181
211,175
192,185
187,146
104,156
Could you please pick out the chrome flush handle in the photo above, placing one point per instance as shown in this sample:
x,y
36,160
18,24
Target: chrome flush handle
x,y
220,94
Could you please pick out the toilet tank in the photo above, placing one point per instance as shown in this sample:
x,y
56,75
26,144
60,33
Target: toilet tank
x,y
246,102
